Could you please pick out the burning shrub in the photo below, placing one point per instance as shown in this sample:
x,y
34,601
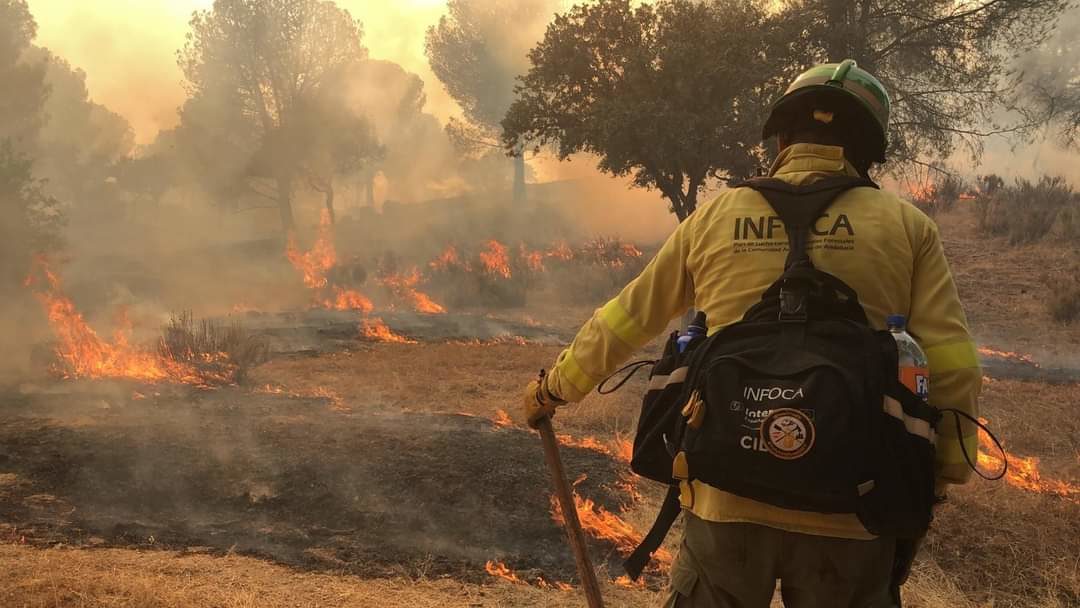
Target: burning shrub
x,y
1027,212
602,266
939,195
214,349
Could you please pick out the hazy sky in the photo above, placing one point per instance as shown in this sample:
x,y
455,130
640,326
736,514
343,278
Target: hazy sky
x,y
128,49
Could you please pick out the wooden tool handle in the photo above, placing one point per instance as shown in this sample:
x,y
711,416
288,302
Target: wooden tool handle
x,y
570,515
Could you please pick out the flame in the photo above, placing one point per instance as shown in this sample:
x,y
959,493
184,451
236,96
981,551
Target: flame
x,y
446,260
499,570
1009,355
599,523
316,263
624,581
1023,471
620,449
560,251
84,354
502,419
345,299
495,259
534,260
314,266
376,330
403,286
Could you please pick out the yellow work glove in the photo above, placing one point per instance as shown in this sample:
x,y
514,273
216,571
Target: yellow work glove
x,y
539,402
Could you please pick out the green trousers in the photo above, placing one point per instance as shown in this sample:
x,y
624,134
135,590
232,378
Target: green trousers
x,y
736,565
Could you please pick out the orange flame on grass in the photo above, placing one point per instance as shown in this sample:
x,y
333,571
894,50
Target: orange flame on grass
x,y
82,353
341,298
499,570
1023,471
495,260
376,330
1009,355
502,419
599,523
403,286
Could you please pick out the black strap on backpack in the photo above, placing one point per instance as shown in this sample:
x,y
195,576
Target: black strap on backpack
x,y
798,207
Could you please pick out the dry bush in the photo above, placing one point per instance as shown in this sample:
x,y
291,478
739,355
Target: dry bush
x,y
940,195
599,269
1064,303
1027,211
229,350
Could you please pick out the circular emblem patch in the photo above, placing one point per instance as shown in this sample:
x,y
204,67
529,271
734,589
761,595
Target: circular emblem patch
x,y
787,433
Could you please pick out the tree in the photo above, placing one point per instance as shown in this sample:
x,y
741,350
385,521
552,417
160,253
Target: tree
x,y
24,91
261,63
948,64
477,50
32,218
332,140
670,93
1054,70
80,142
417,155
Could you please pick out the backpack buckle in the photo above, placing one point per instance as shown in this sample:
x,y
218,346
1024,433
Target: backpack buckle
x,y
792,305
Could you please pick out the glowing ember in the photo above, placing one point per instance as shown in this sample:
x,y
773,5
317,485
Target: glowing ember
x,y
84,354
499,570
376,330
1009,355
403,286
495,259
502,419
601,524
1023,470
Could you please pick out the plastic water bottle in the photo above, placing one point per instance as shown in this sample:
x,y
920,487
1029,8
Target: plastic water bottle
x,y
696,328
914,368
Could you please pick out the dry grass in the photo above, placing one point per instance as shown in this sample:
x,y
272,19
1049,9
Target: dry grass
x,y
207,343
123,578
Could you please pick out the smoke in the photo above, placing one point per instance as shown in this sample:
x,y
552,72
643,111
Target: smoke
x,y
1052,69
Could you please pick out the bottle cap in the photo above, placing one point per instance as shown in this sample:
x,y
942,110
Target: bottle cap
x,y
895,320
699,320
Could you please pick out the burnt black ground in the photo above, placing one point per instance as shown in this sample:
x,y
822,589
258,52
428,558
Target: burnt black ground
x,y
285,478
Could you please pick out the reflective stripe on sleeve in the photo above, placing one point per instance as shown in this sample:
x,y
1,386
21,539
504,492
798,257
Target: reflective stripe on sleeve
x,y
572,372
949,452
625,328
953,356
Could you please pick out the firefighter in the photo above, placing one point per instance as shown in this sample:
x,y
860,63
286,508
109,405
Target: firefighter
x,y
833,119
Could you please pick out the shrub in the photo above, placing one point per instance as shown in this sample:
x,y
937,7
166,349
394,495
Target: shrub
x,y
1064,303
224,350
1027,212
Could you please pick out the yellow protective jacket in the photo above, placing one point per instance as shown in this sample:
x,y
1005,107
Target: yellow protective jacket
x,y
723,257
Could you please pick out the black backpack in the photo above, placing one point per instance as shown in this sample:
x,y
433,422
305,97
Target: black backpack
x,y
797,405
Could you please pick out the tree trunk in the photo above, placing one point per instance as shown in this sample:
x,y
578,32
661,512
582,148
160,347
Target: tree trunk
x,y
519,173
328,200
369,188
284,199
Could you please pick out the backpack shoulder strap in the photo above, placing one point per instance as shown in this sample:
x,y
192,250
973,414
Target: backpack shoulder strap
x,y
800,206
